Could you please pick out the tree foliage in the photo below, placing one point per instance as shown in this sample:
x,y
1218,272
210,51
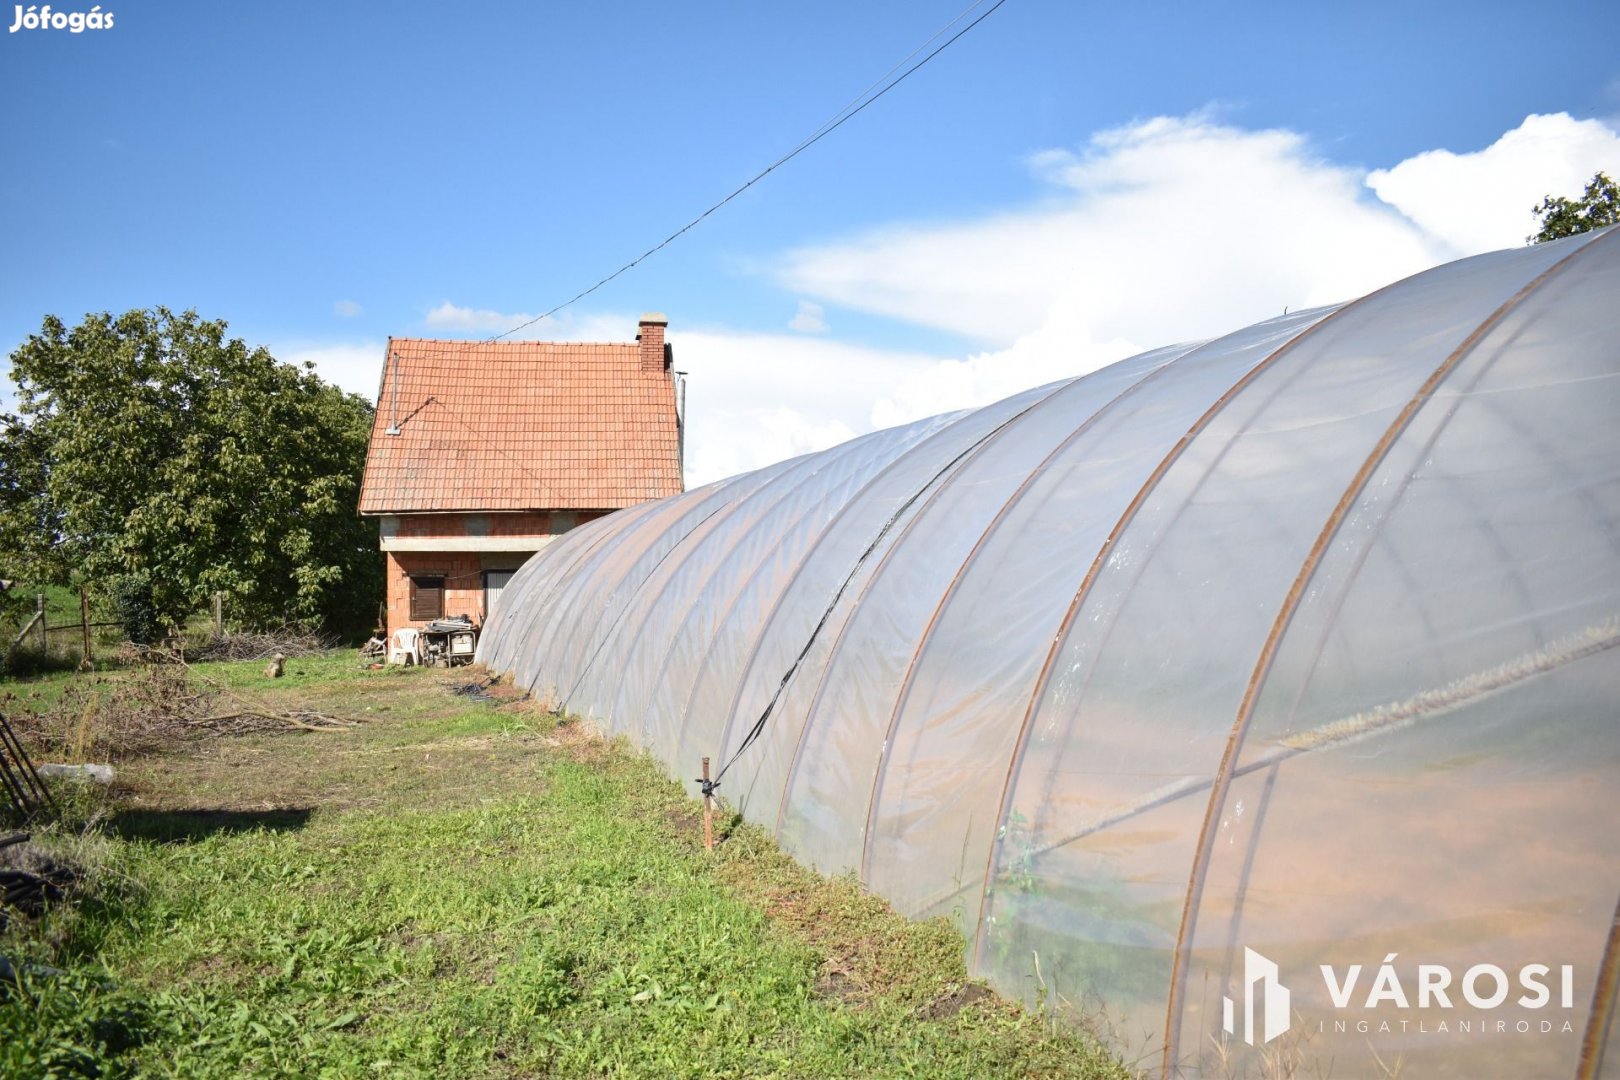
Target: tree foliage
x,y
1561,217
152,458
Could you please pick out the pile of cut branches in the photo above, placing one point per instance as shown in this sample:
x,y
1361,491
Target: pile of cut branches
x,y
289,641
145,710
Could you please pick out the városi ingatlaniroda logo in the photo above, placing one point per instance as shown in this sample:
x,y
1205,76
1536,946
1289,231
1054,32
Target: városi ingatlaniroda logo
x,y
36,17
1462,1004
1274,1000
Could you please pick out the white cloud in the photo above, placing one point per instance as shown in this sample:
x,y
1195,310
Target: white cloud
x,y
449,316
1164,230
811,319
1483,200
347,309
1177,229
355,366
1169,230
757,398
585,326
1043,357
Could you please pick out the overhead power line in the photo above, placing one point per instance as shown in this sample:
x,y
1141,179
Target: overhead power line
x,y
856,106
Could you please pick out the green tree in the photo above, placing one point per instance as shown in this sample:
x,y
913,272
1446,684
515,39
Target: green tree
x,y
157,462
1561,217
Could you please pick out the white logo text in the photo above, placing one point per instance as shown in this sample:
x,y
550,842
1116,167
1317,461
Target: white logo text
x,y
74,22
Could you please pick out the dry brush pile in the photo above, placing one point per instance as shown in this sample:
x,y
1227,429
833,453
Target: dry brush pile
x,y
146,710
289,641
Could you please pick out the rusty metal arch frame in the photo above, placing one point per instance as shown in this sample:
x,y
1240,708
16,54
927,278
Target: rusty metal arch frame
x,y
601,635
1141,565
564,608
1077,601
939,477
642,603
786,484
549,582
845,454
815,544
1595,1039
950,590
1330,528
702,531
1365,551
838,640
1330,620
1328,623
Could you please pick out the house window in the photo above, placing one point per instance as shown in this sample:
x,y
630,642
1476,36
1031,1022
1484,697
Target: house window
x,y
427,598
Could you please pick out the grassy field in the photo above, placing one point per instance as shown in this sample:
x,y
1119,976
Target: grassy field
x,y
465,888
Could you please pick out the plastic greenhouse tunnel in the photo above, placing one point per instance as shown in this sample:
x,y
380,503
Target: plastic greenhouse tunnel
x,y
1254,701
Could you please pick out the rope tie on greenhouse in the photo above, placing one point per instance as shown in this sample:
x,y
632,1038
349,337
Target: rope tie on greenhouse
x,y
707,785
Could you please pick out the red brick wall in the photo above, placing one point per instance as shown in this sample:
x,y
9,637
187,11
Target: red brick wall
x,y
527,523
463,571
463,587
650,339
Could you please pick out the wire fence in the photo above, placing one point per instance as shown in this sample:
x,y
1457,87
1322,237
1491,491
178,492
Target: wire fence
x,y
37,633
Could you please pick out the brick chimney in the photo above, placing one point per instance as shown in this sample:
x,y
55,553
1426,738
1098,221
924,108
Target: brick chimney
x,y
651,337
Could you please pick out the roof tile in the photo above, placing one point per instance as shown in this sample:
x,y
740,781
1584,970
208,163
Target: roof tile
x,y
521,425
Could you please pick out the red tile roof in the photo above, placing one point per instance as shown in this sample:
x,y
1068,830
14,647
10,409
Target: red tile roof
x,y
520,425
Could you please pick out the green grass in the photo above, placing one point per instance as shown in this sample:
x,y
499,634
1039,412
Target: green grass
x,y
61,603
460,889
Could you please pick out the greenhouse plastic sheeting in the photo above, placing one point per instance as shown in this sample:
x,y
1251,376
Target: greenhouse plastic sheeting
x,y
1282,663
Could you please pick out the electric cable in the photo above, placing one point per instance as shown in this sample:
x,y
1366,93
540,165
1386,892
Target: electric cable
x,y
858,105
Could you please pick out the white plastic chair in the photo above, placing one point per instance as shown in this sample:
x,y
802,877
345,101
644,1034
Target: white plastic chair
x,y
404,648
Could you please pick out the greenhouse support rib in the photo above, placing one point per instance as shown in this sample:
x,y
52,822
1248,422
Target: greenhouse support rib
x,y
928,488
1021,740
1384,719
1598,1021
1313,559
951,589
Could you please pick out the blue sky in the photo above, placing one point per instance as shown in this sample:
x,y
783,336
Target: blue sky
x,y
325,175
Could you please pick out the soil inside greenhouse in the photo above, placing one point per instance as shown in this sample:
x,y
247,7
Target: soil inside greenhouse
x,y
460,885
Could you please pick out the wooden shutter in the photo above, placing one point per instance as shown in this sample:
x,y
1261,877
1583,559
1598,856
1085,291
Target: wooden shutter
x,y
427,598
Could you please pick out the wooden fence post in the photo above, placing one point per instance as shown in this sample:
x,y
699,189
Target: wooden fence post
x,y
219,615
23,633
84,620
708,810
39,607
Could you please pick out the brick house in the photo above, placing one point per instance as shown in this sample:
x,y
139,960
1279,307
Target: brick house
x,y
482,452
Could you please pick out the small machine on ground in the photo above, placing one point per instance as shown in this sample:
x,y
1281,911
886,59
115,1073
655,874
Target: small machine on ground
x,y
449,642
